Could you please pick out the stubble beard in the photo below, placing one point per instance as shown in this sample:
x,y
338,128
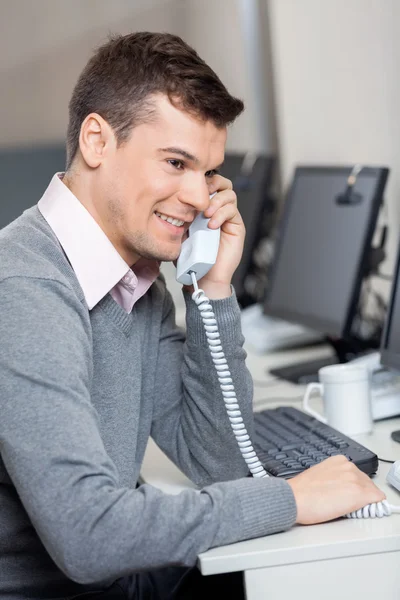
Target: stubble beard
x,y
140,244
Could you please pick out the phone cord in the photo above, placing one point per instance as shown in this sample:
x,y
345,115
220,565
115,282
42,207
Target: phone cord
x,y
225,381
377,509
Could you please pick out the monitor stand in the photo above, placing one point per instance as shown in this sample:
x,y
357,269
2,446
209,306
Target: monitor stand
x,y
307,372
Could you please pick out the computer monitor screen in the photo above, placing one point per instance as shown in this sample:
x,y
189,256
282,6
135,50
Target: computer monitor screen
x,y
25,174
251,176
322,248
390,347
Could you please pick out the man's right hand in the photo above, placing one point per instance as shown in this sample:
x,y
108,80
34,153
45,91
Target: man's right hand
x,y
332,489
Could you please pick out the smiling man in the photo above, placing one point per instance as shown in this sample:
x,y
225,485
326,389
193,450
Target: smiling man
x,y
92,363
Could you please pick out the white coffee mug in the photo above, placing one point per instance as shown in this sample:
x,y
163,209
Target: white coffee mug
x,y
345,390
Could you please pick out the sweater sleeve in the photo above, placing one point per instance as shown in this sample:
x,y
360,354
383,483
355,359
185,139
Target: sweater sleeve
x,y
190,421
93,528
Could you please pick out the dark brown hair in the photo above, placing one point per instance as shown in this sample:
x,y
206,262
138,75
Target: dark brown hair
x,y
122,74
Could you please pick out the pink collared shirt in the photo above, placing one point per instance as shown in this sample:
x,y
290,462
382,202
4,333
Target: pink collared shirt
x,y
98,266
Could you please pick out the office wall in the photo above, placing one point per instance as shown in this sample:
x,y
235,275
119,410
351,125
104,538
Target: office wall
x,y
39,63
216,29
337,86
45,44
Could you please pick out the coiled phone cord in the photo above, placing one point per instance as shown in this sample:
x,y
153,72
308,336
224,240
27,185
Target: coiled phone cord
x,y
225,381
378,509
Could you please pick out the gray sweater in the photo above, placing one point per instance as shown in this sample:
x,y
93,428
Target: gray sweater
x,y
80,393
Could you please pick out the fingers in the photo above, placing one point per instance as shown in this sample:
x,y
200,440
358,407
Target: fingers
x,y
227,214
223,208
340,459
219,183
364,486
332,489
222,198
353,474
369,487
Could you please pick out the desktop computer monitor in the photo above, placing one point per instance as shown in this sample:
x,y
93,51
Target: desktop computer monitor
x,y
251,175
25,174
390,345
323,248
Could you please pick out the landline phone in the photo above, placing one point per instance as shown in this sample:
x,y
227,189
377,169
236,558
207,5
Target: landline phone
x,y
198,255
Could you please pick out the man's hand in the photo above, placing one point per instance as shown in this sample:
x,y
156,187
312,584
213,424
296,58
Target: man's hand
x,y
332,489
224,213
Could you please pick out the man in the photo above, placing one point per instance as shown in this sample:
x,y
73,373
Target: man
x,y
92,363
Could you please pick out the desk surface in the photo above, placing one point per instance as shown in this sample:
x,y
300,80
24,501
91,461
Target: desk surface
x,y
338,539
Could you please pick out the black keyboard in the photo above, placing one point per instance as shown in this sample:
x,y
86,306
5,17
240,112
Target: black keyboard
x,y
288,441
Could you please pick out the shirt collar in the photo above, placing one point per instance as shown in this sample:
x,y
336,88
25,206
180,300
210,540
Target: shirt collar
x,y
96,263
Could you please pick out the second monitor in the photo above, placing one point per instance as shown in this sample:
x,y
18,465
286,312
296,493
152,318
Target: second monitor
x,y
323,250
251,175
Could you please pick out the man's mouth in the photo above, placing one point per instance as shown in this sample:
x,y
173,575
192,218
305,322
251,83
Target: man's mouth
x,y
172,220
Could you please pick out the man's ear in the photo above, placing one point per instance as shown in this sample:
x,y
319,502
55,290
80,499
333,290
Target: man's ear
x,y
96,140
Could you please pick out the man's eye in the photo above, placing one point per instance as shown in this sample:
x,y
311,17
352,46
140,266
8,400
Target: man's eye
x,y
212,173
178,164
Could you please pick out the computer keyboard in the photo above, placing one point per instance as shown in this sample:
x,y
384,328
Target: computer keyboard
x,y
288,441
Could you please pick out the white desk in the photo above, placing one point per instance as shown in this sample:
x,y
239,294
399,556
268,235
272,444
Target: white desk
x,y
342,559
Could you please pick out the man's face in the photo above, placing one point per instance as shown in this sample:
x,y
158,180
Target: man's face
x,y
163,171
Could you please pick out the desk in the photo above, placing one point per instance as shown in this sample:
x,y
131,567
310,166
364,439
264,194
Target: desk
x,y
342,559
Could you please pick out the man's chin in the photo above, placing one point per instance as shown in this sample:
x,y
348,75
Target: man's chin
x,y
169,258
163,256
152,249
170,254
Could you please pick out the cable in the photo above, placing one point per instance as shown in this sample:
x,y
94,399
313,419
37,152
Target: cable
x,y
225,381
386,461
377,509
369,327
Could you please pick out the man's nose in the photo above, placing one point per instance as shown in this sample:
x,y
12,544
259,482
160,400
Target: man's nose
x,y
196,196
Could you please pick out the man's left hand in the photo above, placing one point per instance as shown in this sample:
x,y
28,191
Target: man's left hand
x,y
224,213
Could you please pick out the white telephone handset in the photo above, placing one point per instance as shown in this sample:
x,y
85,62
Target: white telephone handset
x,y
199,251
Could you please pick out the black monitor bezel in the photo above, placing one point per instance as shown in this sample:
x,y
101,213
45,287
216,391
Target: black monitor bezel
x,y
324,325
390,359
252,232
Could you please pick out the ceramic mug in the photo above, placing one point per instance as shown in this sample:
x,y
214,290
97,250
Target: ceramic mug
x,y
345,391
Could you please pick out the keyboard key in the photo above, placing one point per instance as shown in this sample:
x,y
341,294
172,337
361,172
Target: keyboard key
x,y
289,446
285,471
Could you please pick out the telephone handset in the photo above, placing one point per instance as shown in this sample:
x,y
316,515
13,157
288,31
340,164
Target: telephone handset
x,y
199,251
